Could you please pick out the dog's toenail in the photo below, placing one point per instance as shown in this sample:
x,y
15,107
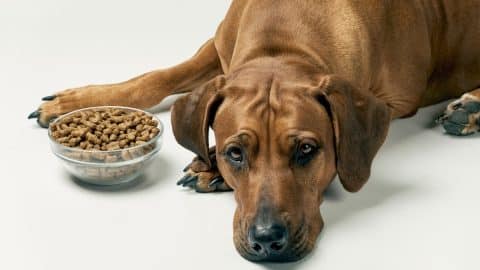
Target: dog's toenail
x,y
183,179
49,98
190,182
34,114
216,181
441,118
457,106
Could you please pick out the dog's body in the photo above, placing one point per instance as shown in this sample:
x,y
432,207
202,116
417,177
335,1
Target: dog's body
x,y
265,73
408,53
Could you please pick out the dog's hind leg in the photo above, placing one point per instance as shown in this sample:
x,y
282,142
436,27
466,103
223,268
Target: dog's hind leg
x,y
462,117
202,178
141,92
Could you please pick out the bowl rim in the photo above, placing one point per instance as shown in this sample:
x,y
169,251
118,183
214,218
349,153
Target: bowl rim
x,y
154,139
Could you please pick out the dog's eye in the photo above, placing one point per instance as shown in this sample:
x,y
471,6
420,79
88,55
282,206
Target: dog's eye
x,y
235,154
306,148
305,153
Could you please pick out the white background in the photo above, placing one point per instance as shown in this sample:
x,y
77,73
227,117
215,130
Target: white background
x,y
419,210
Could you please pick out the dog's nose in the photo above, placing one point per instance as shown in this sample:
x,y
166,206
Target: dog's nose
x,y
267,240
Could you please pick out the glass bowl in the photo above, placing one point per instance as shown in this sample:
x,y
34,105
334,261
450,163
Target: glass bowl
x,y
107,167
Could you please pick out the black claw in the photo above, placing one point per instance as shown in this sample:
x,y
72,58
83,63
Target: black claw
x,y
34,114
186,168
216,181
182,180
457,106
49,98
187,180
441,118
191,182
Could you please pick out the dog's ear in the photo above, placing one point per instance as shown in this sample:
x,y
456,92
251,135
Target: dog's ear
x,y
360,122
193,114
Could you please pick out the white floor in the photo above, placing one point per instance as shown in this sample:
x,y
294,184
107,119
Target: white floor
x,y
420,209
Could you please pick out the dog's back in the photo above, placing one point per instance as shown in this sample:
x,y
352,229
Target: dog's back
x,y
415,50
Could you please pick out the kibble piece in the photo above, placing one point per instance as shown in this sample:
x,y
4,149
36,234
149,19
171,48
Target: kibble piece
x,y
113,146
122,126
107,131
104,138
79,132
87,123
131,136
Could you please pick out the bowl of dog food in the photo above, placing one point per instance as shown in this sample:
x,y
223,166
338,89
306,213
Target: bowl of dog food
x,y
106,145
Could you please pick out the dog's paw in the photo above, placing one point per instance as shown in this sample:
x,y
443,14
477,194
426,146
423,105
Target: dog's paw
x,y
203,179
462,117
204,182
47,112
64,102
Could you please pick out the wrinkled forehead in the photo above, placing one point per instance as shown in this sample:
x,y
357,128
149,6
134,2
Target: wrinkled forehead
x,y
272,114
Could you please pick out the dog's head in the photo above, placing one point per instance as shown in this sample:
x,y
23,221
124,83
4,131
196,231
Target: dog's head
x,y
279,145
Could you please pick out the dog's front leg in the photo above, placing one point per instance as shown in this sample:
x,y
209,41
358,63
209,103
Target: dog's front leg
x,y
141,92
203,178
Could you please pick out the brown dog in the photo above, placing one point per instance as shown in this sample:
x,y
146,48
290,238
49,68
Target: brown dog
x,y
298,91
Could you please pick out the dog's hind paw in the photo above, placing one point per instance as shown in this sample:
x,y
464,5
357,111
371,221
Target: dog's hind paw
x,y
203,179
462,117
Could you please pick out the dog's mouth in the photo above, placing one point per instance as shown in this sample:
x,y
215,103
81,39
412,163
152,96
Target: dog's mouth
x,y
297,247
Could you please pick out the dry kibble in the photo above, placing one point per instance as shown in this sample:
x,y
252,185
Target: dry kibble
x,y
104,130
131,136
123,143
122,126
83,144
107,131
79,132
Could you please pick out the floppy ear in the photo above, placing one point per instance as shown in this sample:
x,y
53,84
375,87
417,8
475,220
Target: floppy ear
x,y
193,114
360,122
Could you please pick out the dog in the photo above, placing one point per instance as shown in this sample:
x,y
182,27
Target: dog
x,y
298,92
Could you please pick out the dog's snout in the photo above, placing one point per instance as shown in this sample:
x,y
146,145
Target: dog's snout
x,y
267,239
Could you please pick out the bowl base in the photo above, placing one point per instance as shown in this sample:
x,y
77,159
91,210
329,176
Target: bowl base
x,y
106,183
